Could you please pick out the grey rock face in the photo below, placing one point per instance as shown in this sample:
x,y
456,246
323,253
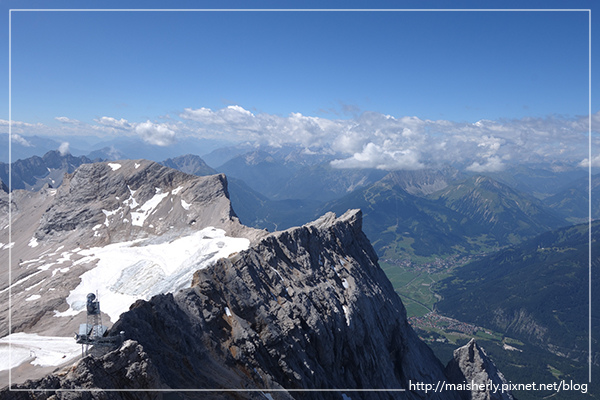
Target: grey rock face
x,y
471,364
306,308
127,368
94,190
96,206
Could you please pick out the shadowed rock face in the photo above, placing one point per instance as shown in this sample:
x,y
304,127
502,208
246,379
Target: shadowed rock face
x,y
306,308
471,364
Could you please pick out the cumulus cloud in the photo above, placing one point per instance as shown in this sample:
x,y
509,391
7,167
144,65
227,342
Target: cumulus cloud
x,y
368,140
382,141
237,123
585,163
114,123
492,164
63,149
4,122
374,156
20,140
156,134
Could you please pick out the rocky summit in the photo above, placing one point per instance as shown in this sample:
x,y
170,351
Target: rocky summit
x,y
305,313
471,365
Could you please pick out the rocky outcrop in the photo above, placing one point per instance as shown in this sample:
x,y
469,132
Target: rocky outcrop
x,y
307,308
96,194
127,368
471,365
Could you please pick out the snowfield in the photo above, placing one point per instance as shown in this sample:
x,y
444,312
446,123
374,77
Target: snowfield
x,y
44,351
129,271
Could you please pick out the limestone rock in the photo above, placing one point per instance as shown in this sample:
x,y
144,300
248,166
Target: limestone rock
x,y
306,308
471,364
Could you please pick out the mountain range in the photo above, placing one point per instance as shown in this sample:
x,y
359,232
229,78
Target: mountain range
x,y
203,302
536,291
138,210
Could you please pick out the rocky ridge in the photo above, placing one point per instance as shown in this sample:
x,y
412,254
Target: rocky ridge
x,y
306,308
471,364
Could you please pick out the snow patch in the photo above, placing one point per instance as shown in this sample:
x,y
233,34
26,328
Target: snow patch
x,y
185,205
33,242
33,297
126,272
44,351
114,166
227,311
346,314
175,191
138,217
110,214
130,202
136,165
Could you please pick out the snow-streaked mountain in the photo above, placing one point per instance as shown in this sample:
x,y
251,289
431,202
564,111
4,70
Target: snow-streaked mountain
x,y
34,172
127,230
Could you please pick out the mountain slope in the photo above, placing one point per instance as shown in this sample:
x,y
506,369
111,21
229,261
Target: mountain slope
x,y
322,182
306,308
135,228
471,216
573,201
399,223
252,208
190,164
503,212
539,180
536,291
260,170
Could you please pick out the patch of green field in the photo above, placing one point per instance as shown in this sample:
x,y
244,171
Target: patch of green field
x,y
415,287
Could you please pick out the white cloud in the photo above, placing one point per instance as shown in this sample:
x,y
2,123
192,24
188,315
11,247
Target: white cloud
x,y
369,139
66,120
20,140
114,123
4,122
585,163
156,134
63,149
492,164
374,156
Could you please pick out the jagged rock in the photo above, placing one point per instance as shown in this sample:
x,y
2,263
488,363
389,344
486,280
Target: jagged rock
x,y
306,308
472,365
34,172
127,368
94,190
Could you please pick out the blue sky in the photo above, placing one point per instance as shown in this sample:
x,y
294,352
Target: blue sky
x,y
89,70
459,66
